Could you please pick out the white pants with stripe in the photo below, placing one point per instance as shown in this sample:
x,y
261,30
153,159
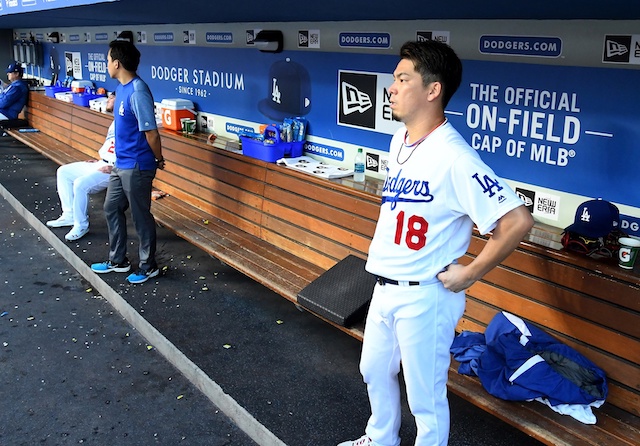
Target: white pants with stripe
x,y
415,325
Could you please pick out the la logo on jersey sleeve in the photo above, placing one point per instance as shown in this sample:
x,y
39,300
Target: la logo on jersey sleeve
x,y
490,186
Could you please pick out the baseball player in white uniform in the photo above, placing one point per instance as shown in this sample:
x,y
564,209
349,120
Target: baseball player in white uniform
x,y
77,180
436,189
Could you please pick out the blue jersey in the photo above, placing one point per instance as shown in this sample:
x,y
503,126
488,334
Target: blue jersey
x,y
133,116
14,98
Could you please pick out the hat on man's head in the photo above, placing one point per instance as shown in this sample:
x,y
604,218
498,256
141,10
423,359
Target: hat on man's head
x,y
595,218
14,67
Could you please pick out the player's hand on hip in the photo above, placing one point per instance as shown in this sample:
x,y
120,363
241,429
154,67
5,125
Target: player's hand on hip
x,y
455,278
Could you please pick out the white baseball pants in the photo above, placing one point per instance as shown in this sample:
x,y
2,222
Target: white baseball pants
x,y
415,325
75,182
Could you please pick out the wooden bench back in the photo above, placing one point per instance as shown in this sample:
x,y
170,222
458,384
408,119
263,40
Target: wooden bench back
x,y
319,221
88,130
217,182
76,129
592,306
51,117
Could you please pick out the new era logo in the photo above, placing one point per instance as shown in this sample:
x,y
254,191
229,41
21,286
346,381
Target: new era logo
x,y
528,201
617,49
354,100
303,38
372,162
357,99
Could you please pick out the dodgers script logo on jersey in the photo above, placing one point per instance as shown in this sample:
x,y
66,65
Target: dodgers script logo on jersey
x,y
488,185
400,185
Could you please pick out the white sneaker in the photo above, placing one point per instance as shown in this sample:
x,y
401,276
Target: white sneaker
x,y
362,441
60,222
75,234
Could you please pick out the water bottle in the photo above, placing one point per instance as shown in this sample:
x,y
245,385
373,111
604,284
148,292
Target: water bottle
x,y
358,167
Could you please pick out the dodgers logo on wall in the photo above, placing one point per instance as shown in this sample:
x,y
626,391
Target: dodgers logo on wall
x,y
288,91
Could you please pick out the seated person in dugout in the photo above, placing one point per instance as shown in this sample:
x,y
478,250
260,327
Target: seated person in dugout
x,y
77,180
13,95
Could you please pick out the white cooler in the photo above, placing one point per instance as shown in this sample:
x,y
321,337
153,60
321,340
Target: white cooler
x,y
79,86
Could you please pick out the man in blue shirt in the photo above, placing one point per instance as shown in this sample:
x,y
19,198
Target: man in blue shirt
x,y
138,155
14,95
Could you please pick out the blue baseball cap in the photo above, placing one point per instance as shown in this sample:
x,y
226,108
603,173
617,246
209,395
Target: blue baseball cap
x,y
14,67
288,91
595,218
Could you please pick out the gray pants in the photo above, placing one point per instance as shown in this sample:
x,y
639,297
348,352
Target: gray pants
x,y
131,187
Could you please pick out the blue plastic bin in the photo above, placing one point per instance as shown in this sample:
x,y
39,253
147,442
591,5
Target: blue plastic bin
x,y
83,99
271,152
53,89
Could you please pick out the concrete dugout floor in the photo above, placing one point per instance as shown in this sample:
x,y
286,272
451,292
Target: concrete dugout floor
x,y
73,371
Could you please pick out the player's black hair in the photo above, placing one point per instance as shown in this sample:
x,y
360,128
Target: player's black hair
x,y
436,62
126,52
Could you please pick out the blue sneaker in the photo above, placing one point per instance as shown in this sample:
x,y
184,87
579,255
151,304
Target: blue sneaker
x,y
142,276
109,266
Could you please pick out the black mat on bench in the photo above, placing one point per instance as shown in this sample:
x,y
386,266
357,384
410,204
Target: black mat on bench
x,y
341,294
13,123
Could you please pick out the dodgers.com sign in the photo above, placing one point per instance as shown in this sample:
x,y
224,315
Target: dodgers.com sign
x,y
365,40
219,37
521,46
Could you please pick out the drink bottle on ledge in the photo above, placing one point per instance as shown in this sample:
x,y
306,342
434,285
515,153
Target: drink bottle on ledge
x,y
358,167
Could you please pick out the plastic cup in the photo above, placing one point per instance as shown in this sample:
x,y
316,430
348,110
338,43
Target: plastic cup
x,y
628,253
189,126
182,121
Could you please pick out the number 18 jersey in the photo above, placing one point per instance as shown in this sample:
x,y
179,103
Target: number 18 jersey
x,y
432,196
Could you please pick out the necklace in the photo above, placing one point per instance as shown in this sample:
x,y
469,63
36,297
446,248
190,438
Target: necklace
x,y
414,146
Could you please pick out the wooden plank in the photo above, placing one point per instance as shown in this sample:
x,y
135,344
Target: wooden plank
x,y
88,147
595,283
210,210
214,163
88,118
600,311
606,267
347,215
290,244
221,180
309,225
320,190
